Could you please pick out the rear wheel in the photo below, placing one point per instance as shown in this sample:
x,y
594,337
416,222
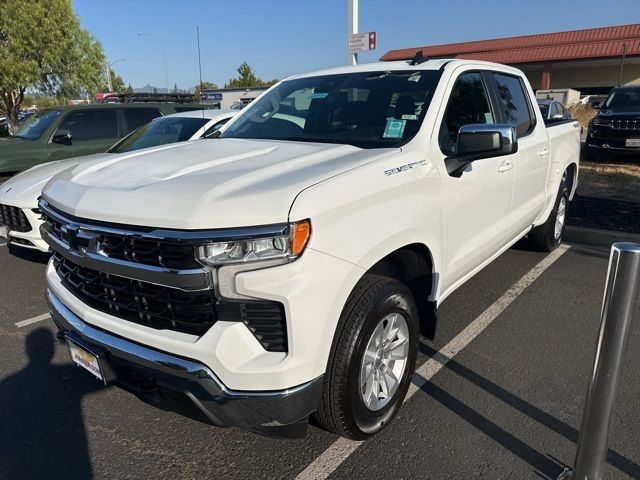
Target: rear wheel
x,y
372,359
548,236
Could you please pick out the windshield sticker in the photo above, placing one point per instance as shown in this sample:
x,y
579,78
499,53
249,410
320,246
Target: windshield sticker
x,y
319,95
409,117
415,77
394,128
488,118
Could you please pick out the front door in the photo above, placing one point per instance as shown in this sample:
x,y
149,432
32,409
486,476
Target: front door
x,y
92,131
476,204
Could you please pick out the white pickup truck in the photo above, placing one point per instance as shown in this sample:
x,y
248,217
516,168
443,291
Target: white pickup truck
x,y
289,268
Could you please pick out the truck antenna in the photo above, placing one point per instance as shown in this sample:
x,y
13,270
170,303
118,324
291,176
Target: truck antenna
x,y
200,69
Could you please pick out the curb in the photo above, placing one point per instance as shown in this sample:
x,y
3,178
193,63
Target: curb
x,y
595,237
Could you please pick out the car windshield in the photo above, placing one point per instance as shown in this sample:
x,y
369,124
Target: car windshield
x,y
37,124
161,131
365,109
626,98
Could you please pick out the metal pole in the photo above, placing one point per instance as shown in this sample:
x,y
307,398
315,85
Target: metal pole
x,y
618,308
109,87
624,54
352,27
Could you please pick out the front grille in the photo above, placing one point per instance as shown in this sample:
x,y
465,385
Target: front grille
x,y
625,124
158,253
162,308
14,218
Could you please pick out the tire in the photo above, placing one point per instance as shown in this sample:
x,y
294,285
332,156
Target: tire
x,y
545,237
376,302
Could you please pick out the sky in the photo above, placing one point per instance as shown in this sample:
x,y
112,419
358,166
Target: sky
x,y
279,38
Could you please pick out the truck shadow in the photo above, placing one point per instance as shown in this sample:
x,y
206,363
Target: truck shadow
x,y
42,433
35,256
546,465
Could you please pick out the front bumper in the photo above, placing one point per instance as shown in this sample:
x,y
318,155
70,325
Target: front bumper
x,y
31,239
612,141
188,387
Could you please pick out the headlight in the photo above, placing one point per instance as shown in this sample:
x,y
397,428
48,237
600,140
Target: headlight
x,y
274,249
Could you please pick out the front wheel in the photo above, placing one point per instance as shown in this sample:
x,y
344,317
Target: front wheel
x,y
372,359
548,236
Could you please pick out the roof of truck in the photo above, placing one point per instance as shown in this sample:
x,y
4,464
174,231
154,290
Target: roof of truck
x,y
434,64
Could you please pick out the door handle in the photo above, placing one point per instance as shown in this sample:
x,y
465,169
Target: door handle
x,y
505,167
543,152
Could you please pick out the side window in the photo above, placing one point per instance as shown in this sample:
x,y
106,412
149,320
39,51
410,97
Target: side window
x,y
468,104
136,117
95,124
514,103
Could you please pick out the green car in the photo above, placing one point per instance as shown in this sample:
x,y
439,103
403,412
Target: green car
x,y
75,131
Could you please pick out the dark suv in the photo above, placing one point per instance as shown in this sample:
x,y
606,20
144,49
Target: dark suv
x,y
616,127
75,131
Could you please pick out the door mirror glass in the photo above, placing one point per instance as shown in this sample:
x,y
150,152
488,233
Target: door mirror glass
x,y
557,116
62,137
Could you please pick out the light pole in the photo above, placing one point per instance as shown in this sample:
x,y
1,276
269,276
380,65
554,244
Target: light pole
x,y
164,55
109,86
352,27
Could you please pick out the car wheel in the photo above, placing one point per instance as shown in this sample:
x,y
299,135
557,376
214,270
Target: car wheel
x,y
548,236
372,359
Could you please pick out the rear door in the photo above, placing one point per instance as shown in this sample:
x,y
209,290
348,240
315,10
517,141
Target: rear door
x,y
476,204
531,162
135,117
92,131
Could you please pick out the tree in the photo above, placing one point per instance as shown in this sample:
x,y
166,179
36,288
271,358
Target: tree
x,y
117,83
129,89
247,78
204,86
44,51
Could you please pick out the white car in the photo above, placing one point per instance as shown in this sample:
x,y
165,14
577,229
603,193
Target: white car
x,y
19,215
288,269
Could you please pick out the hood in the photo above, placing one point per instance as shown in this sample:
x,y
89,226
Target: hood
x,y
22,190
620,114
202,185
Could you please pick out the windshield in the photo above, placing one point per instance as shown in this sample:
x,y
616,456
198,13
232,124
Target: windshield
x,y
367,110
624,98
37,124
160,132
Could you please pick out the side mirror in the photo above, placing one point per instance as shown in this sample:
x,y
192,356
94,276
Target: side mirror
x,y
476,142
595,105
62,137
557,116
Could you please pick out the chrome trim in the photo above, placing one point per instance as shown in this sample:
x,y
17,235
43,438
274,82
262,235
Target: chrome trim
x,y
146,357
188,280
195,237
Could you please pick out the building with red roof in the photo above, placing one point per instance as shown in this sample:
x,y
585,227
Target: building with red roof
x,y
586,60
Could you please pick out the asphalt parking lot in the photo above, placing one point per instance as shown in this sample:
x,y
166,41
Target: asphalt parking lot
x,y
508,374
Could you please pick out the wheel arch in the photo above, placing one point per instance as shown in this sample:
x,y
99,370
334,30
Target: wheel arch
x,y
414,266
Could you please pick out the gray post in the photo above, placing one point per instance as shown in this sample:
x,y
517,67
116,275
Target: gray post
x,y
620,299
352,27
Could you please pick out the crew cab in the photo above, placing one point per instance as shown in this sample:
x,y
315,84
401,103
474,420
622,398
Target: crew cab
x,y
20,218
289,268
615,129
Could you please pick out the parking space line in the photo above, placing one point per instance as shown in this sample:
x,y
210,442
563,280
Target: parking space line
x,y
30,321
328,461
2,244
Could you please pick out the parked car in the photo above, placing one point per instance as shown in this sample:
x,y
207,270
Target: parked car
x,y
74,131
616,127
591,100
287,270
553,111
20,219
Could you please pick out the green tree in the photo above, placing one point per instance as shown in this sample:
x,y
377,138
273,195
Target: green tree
x,y
117,83
247,78
204,86
42,46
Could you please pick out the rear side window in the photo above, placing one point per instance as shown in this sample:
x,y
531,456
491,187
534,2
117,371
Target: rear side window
x,y
91,124
513,102
468,104
136,117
